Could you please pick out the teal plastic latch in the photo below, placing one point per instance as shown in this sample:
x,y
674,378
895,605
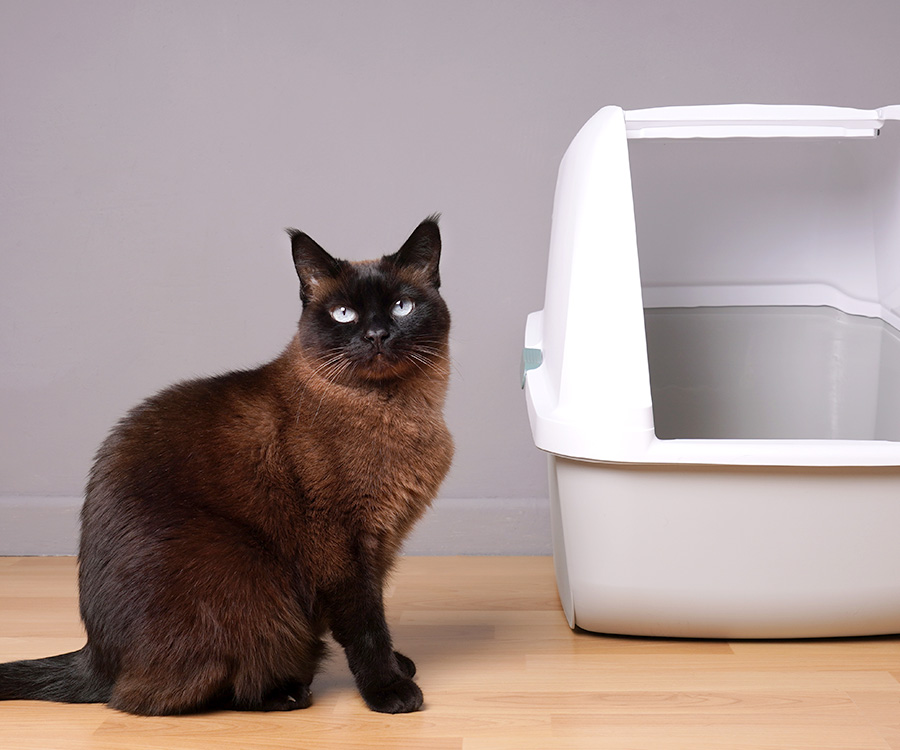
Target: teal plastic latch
x,y
531,360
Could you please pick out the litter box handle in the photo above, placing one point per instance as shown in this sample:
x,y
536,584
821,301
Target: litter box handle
x,y
757,121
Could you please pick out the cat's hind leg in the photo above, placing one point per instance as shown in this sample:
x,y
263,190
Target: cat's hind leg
x,y
207,686
155,691
288,694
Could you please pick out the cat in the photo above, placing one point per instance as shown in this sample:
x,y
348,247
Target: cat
x,y
229,522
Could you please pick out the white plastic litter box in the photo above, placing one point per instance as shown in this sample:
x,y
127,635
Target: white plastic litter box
x,y
715,374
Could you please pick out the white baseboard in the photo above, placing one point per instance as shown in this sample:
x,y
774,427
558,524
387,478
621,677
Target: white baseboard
x,y
453,526
39,525
483,526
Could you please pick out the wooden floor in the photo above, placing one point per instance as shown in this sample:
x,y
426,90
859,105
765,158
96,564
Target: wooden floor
x,y
500,669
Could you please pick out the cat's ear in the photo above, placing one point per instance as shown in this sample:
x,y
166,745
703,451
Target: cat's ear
x,y
313,264
422,251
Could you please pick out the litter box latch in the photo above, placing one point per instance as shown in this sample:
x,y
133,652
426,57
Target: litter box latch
x,y
531,360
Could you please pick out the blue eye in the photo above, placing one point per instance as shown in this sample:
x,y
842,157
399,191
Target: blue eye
x,y
402,307
343,314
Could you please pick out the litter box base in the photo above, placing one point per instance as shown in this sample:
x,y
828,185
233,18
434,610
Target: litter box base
x,y
706,551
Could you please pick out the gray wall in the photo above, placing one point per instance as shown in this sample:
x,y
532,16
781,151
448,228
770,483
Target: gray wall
x,y
151,153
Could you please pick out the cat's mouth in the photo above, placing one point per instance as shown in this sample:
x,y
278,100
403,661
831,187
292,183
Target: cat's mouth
x,y
380,362
374,362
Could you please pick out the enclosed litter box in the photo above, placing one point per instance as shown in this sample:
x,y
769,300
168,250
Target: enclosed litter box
x,y
715,374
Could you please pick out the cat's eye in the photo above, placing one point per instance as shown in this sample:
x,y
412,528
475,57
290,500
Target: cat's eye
x,y
402,307
344,314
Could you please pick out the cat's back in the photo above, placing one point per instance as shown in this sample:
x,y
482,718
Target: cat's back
x,y
190,437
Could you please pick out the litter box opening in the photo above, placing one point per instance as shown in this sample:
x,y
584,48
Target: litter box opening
x,y
772,373
769,283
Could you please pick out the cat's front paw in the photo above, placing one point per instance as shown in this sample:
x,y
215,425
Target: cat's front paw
x,y
399,697
406,665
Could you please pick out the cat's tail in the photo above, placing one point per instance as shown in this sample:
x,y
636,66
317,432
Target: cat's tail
x,y
67,678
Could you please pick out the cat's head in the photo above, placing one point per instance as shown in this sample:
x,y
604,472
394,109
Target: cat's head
x,y
373,320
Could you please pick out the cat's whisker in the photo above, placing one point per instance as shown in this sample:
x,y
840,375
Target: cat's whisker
x,y
325,369
432,355
439,352
331,366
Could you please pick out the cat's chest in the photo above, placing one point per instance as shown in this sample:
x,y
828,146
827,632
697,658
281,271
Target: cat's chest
x,y
382,452
385,441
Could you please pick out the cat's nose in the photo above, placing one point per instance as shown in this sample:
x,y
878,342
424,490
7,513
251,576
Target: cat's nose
x,y
376,335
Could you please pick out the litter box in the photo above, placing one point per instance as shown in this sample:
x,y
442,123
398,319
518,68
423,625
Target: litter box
x,y
715,374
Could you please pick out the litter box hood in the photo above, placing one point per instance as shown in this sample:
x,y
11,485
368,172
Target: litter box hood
x,y
585,367
715,374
